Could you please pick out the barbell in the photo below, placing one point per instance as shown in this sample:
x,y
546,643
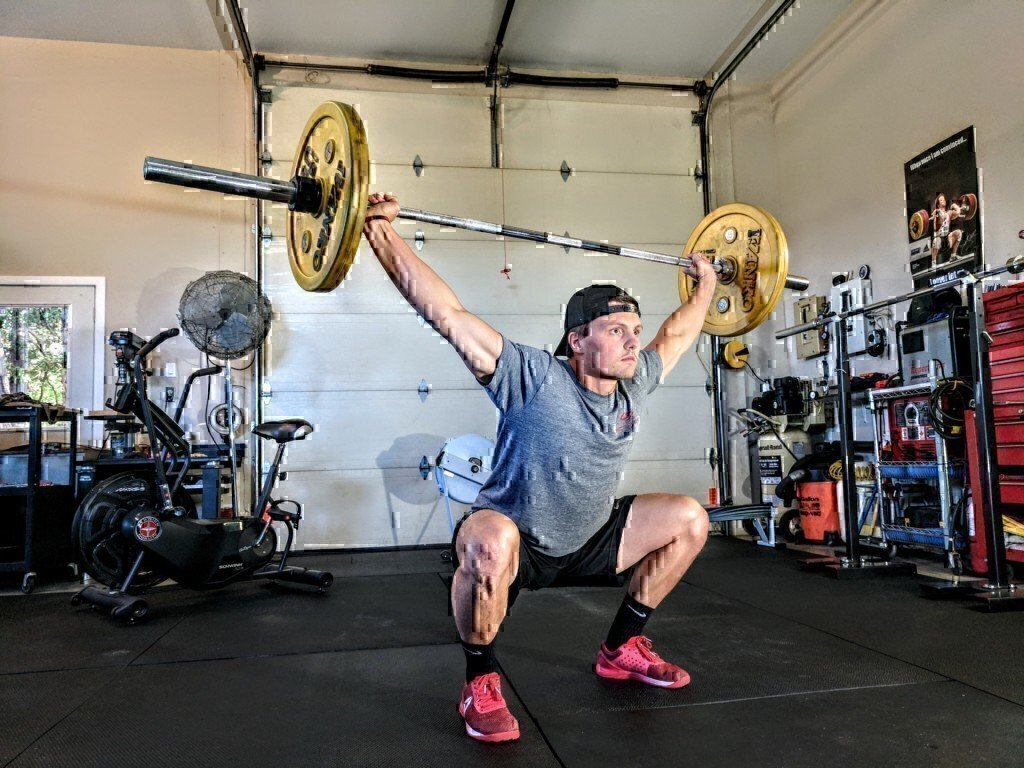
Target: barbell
x,y
327,202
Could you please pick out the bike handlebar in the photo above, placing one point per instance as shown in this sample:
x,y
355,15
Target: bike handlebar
x,y
156,341
213,369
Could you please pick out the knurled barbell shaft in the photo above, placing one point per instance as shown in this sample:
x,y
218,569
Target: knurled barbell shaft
x,y
244,185
446,220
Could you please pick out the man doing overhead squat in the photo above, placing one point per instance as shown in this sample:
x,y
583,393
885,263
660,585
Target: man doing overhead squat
x,y
548,516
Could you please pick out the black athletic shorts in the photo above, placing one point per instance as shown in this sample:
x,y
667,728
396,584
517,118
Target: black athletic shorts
x,y
592,565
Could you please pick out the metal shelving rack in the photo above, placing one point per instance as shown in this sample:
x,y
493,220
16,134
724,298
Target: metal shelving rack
x,y
946,472
35,513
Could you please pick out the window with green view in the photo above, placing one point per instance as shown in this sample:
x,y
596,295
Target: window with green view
x,y
34,357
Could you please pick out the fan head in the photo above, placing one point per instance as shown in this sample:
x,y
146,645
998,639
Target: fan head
x,y
225,314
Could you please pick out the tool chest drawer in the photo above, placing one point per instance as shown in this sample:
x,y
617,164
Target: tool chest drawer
x,y
1010,455
1008,410
1011,489
1009,388
1004,305
1005,322
1007,375
1009,432
1007,367
1006,345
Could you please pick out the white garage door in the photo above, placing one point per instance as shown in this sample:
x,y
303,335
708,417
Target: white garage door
x,y
352,360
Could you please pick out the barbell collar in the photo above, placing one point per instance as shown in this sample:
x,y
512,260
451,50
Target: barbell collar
x,y
308,195
217,180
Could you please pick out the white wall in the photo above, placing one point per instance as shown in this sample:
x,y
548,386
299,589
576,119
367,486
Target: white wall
x,y
825,152
76,122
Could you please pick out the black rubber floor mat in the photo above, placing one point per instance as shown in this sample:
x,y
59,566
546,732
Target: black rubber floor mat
x,y
732,651
343,564
44,632
33,703
361,708
936,725
254,619
952,638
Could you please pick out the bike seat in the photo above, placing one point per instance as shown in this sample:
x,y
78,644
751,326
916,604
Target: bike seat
x,y
284,431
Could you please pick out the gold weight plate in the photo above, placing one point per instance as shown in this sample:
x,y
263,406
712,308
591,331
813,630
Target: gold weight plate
x,y
333,150
750,238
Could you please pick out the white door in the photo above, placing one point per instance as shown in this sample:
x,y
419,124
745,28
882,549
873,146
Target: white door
x,y
84,337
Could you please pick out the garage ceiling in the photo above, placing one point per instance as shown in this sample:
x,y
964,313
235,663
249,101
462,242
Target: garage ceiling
x,y
686,39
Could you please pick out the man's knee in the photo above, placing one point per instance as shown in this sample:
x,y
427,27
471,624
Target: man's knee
x,y
487,544
691,518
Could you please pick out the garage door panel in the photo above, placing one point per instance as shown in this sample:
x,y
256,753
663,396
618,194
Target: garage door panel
x,y
442,129
366,288
604,206
368,508
692,478
367,430
541,280
336,352
395,507
607,207
543,277
676,425
624,138
473,193
374,352
340,352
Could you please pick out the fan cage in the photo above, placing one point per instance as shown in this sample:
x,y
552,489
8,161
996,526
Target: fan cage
x,y
225,314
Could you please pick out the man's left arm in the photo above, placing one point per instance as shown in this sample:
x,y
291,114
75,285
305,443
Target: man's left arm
x,y
683,326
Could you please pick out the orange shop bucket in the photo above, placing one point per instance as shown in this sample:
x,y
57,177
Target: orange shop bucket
x,y
819,510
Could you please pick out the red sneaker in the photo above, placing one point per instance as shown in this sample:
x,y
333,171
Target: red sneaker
x,y
485,712
635,659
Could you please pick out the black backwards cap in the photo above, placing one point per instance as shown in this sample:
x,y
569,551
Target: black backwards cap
x,y
590,303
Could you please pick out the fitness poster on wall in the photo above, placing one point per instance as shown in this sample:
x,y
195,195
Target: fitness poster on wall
x,y
943,225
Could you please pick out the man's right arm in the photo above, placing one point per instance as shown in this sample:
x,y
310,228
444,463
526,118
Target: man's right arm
x,y
477,343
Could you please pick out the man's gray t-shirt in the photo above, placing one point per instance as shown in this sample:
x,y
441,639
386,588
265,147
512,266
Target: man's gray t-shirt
x,y
560,447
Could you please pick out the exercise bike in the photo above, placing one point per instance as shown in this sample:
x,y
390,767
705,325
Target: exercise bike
x,y
139,528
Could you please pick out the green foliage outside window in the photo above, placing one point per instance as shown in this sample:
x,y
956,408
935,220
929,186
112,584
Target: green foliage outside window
x,y
34,356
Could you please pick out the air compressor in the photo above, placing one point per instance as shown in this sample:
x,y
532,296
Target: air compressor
x,y
783,414
777,452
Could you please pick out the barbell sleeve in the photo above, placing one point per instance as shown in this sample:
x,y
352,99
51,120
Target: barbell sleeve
x,y
273,190
217,180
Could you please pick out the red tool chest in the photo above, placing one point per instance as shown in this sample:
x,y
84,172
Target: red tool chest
x,y
1004,321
